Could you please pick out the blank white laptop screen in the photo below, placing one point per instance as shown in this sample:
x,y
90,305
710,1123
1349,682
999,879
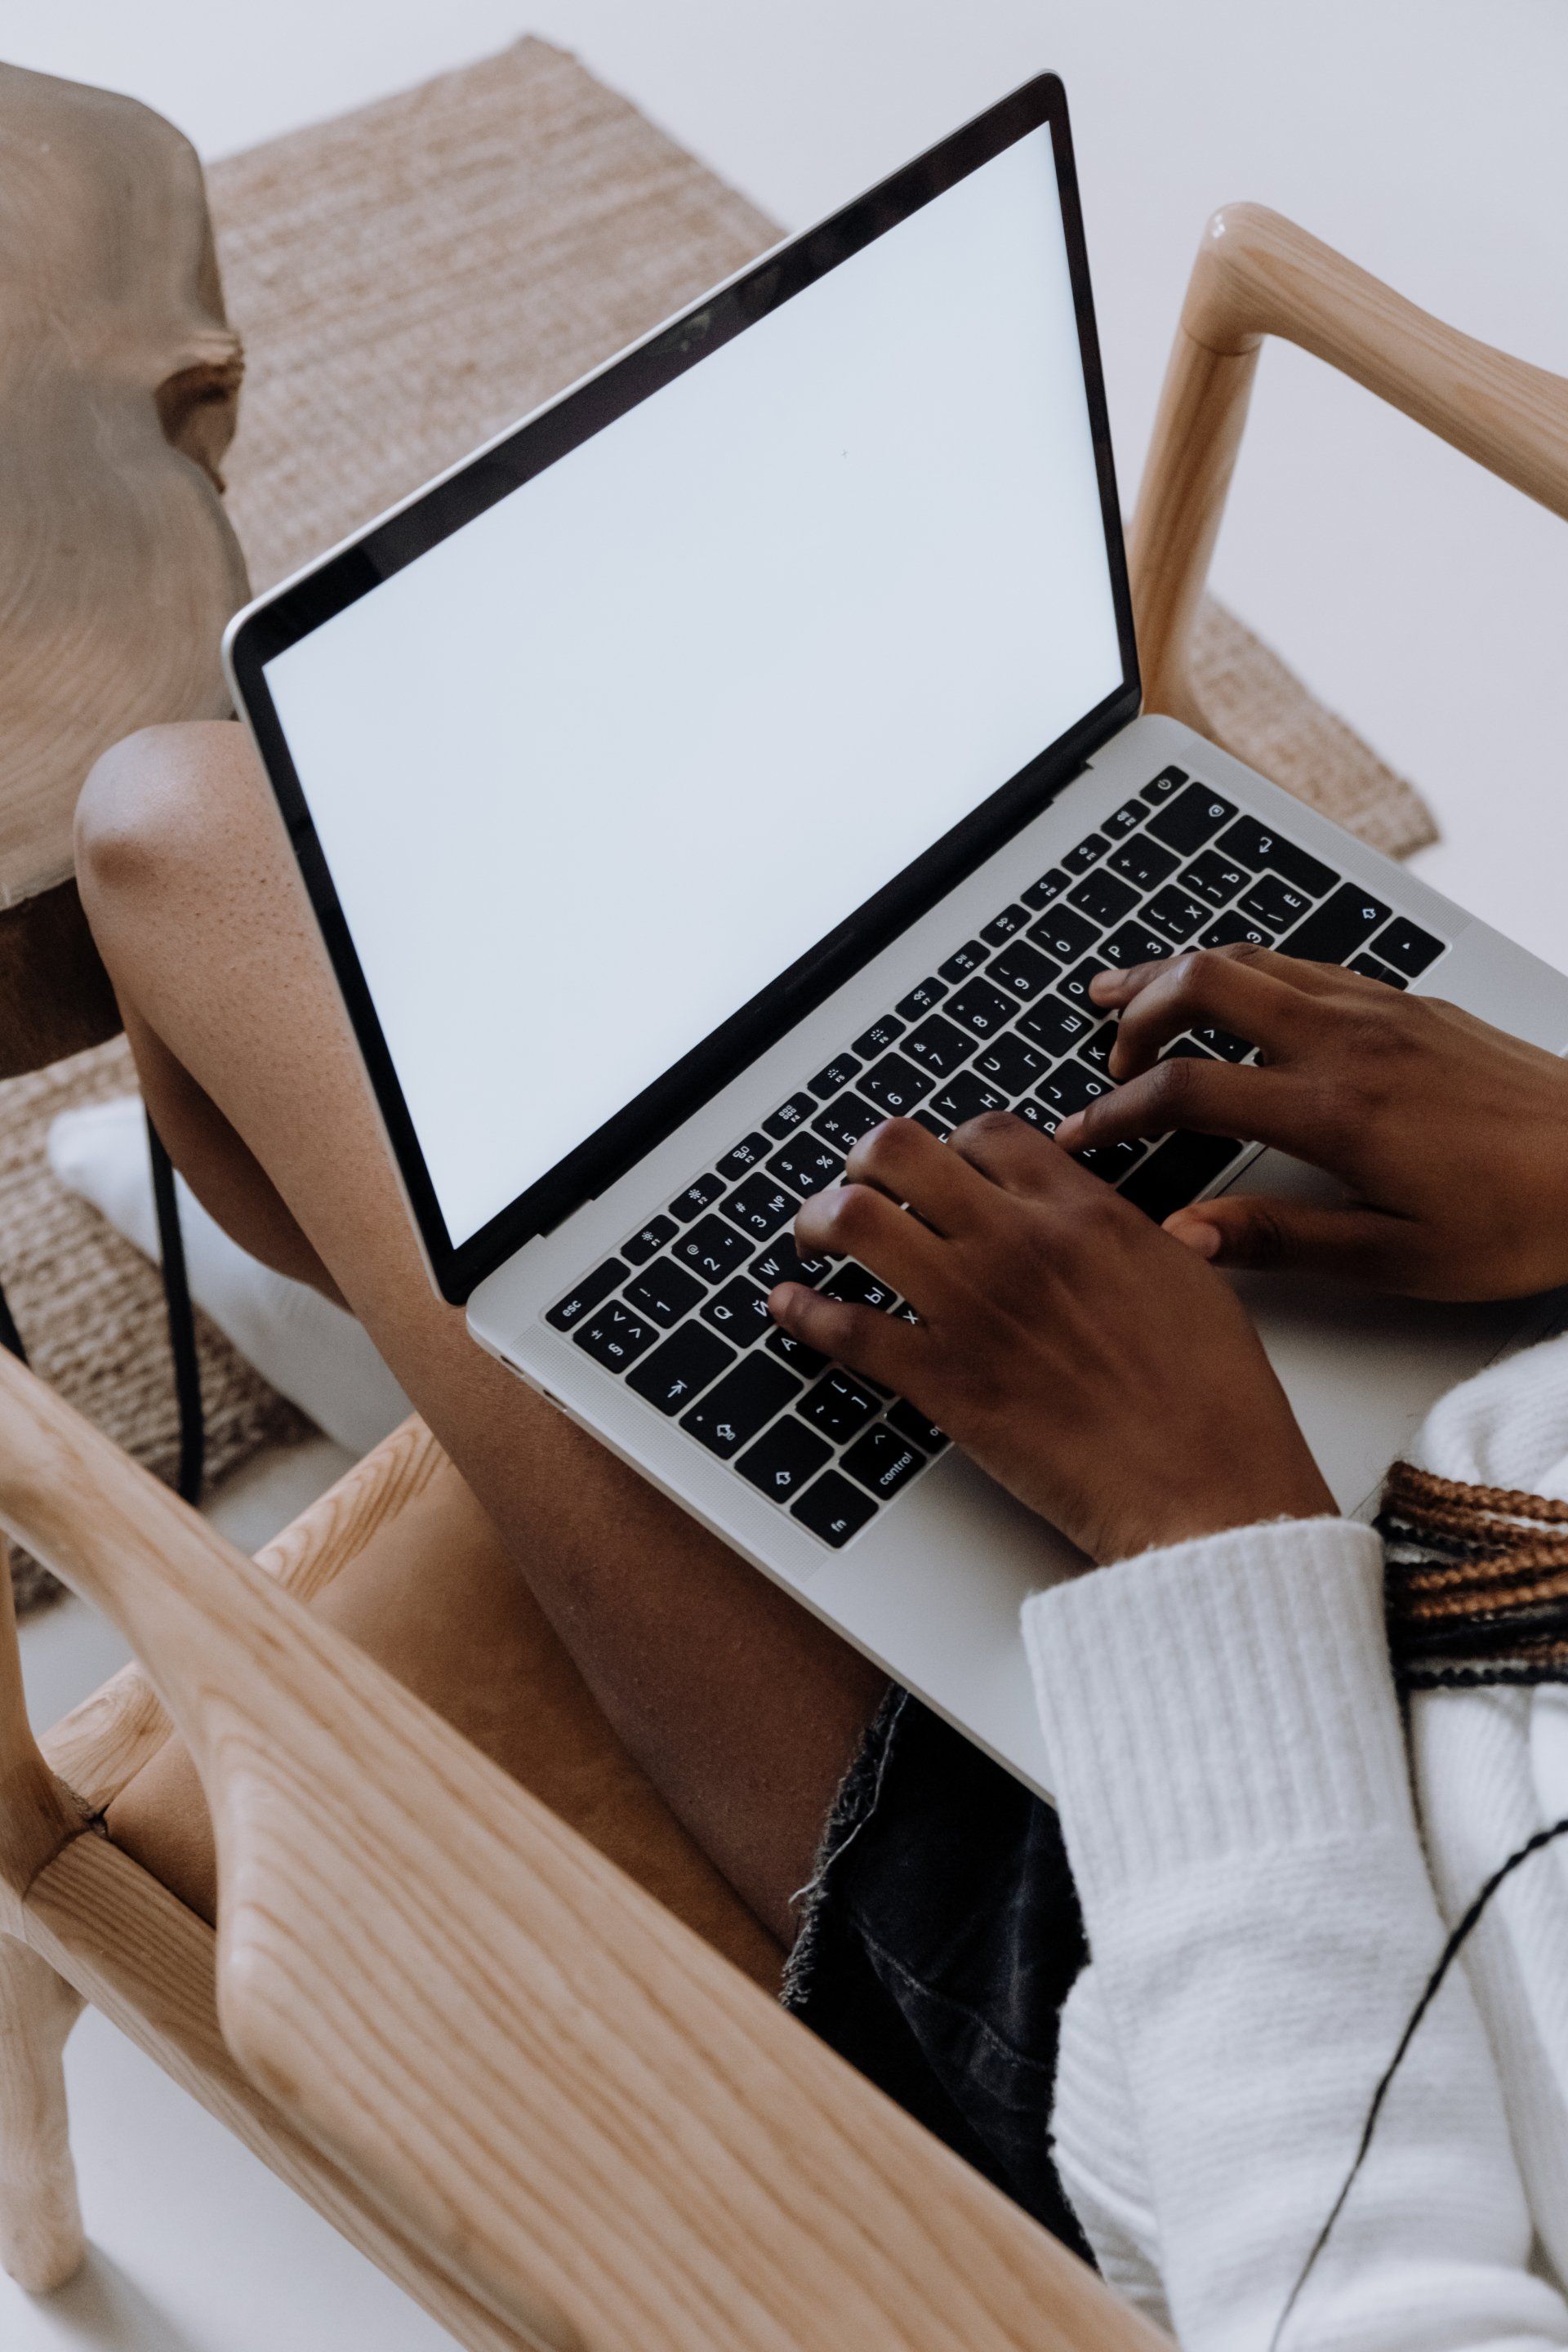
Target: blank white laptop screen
x,y
595,770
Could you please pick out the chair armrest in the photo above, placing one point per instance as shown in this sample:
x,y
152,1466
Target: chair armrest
x,y
572,2105
100,1746
1257,275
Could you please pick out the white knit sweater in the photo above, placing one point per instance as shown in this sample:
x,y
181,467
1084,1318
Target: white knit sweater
x,y
1264,1907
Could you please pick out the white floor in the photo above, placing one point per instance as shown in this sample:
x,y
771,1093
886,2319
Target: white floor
x,y
1427,602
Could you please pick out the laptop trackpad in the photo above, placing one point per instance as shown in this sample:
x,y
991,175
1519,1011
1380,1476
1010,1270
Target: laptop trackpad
x,y
1362,1372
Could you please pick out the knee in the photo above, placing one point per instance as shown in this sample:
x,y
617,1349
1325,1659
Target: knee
x,y
146,813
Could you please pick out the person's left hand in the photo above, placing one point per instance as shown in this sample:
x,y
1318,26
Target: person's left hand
x,y
1104,1374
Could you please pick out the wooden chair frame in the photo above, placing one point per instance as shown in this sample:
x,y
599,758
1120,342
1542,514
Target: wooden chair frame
x,y
548,2109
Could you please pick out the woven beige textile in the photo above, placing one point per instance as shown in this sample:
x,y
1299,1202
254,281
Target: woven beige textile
x,y
407,280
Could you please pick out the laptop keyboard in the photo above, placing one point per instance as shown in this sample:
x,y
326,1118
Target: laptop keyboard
x,y
1005,1023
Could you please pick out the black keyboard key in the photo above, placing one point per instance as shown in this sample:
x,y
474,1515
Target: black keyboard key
x,y
1333,931
1214,878
841,1072
967,1097
762,1204
1037,1115
938,1047
1111,1161
614,1336
808,1164
1078,859
1011,1065
1144,862
695,1198
882,1462
591,1290
1171,910
1408,947
1003,926
833,1509
1055,1026
1187,1049
982,1008
1237,930
781,1262
665,1291
912,1423
1168,781
744,1402
1095,1051
880,1036
1177,1172
789,1115
740,1311
1023,969
1189,819
689,1362
923,999
1133,944
1075,987
1046,890
1103,898
780,1463
1274,902
858,1288
933,1126
969,957
1071,1088
749,1154
1064,934
896,1084
796,1354
1221,1041
1254,844
1370,967
840,1407
648,1241
844,1122
713,1250
1124,820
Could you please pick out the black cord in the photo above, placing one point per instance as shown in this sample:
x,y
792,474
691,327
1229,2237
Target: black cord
x,y
1451,1952
9,1336
181,1320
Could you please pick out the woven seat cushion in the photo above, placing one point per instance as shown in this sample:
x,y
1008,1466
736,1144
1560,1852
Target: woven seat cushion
x,y
407,280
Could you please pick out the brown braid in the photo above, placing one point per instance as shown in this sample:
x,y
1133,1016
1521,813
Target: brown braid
x,y
1476,1585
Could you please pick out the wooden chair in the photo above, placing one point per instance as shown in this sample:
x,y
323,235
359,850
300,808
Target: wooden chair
x,y
546,2104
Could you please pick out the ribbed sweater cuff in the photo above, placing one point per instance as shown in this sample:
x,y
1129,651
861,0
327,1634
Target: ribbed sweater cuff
x,y
1228,1694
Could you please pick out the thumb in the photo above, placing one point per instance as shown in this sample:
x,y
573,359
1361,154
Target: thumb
x,y
1251,1230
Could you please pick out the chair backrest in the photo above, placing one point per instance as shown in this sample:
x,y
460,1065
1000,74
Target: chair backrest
x,y
567,2100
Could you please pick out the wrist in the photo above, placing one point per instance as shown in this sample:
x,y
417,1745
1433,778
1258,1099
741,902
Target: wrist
x,y
1173,1520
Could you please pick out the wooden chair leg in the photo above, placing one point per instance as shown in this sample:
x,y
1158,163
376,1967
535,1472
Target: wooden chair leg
x,y
41,2240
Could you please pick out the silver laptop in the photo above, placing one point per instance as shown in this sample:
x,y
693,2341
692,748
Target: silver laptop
x,y
745,748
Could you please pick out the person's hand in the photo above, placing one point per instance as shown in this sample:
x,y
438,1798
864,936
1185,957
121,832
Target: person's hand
x,y
1450,1137
1105,1376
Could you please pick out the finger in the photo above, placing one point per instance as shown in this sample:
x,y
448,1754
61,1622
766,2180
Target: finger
x,y
1016,1157
1252,993
1209,1098
1358,1244
907,1162
858,1221
883,1347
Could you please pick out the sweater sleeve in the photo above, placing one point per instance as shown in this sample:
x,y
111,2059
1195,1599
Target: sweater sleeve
x,y
1228,1756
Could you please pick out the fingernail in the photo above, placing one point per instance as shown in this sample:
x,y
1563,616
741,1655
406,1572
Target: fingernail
x,y
1196,1233
1068,1133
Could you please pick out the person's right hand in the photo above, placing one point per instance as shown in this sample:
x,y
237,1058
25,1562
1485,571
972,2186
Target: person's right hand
x,y
1450,1137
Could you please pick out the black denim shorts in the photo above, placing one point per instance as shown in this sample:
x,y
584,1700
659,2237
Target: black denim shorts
x,y
940,1937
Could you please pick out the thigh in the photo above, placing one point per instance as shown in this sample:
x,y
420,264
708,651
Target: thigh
x,y
742,1709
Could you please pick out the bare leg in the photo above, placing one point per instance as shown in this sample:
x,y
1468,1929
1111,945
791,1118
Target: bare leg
x,y
742,1709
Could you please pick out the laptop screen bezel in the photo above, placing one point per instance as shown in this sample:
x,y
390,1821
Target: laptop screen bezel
x,y
352,570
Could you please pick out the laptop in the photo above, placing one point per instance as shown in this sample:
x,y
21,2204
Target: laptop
x,y
743,749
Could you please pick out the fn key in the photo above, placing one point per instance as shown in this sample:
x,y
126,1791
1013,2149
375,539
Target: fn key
x,y
833,1509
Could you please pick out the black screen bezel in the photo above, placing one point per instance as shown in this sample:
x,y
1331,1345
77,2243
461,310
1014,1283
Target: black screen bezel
x,y
303,605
